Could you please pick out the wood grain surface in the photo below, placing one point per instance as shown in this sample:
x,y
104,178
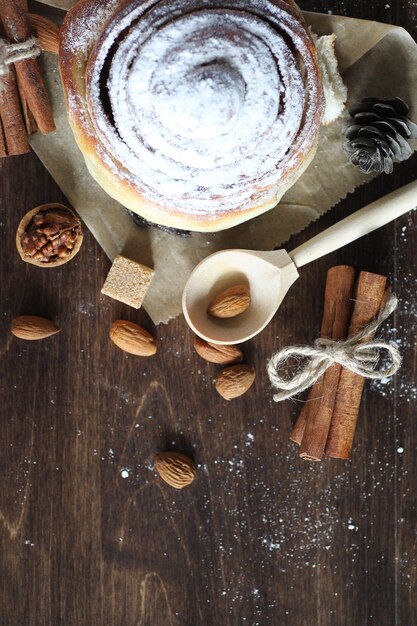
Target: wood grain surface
x,y
90,536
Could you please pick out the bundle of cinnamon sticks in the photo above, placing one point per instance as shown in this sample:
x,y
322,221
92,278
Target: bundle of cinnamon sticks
x,y
24,103
327,422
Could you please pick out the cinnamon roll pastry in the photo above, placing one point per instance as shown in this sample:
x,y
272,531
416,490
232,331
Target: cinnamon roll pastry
x,y
195,114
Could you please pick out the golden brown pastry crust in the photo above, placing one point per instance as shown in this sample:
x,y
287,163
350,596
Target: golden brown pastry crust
x,y
122,184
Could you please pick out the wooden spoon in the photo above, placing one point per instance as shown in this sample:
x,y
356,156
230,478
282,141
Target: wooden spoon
x,y
269,275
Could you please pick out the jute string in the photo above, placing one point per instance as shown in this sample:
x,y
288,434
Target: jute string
x,y
14,52
361,358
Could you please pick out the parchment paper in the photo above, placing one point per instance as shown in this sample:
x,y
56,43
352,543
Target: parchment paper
x,y
375,60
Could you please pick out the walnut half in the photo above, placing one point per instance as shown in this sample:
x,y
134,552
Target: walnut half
x,y
49,235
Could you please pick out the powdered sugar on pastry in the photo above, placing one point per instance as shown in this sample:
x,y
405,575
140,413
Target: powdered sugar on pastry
x,y
204,111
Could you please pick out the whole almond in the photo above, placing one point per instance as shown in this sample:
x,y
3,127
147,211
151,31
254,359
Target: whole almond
x,y
175,468
230,302
46,32
223,355
132,338
32,327
234,381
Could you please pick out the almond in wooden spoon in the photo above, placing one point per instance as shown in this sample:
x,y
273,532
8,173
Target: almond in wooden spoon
x,y
230,302
32,327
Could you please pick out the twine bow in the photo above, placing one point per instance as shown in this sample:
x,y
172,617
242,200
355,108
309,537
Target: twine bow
x,y
361,358
14,52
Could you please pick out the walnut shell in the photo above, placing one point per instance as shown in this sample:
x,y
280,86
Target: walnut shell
x,y
67,249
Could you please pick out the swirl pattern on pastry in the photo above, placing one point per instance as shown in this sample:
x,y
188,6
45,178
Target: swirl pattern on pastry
x,y
197,115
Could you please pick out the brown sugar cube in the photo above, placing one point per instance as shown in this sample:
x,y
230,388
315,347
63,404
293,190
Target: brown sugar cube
x,y
127,281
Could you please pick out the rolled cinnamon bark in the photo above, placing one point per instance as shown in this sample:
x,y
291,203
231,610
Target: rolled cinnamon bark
x,y
319,407
370,294
3,151
30,122
15,17
13,140
13,127
46,32
346,275
300,425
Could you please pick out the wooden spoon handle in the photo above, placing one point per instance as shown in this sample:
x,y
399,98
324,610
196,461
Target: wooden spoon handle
x,y
358,224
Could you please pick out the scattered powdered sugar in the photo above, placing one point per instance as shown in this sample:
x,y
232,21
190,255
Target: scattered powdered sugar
x,y
250,438
210,109
402,328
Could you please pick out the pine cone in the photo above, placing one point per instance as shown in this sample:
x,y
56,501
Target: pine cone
x,y
377,136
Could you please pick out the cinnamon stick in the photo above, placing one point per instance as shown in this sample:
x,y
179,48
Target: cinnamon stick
x,y
3,151
300,425
13,128
13,139
317,412
347,275
369,296
46,32
30,122
15,17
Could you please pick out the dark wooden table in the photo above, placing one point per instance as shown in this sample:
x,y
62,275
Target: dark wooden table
x,y
90,535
